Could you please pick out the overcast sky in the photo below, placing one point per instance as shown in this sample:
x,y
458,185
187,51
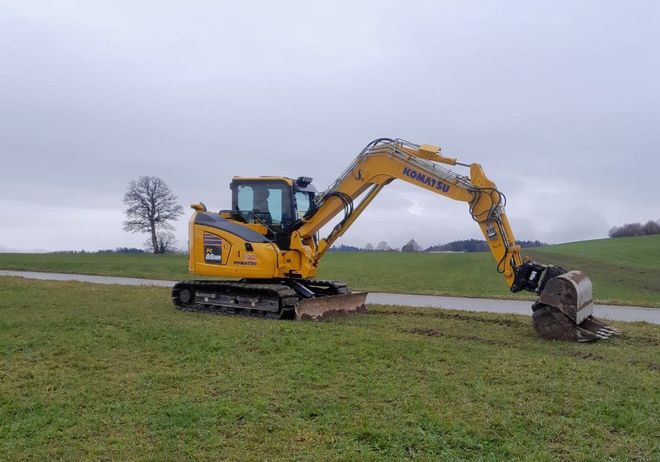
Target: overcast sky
x,y
558,100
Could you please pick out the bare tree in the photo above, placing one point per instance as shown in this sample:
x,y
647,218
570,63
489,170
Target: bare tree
x,y
411,246
651,227
150,206
165,240
369,247
383,247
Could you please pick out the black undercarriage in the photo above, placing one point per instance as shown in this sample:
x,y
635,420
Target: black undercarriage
x,y
266,298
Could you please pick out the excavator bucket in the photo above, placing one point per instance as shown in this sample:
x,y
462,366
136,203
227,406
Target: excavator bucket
x,y
564,310
321,308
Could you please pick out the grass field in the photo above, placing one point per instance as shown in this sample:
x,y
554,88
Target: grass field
x,y
624,270
115,373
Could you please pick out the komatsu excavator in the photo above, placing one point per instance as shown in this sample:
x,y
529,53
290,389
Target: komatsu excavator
x,y
269,243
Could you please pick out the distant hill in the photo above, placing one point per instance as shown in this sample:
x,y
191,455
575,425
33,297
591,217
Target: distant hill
x,y
476,245
345,248
623,269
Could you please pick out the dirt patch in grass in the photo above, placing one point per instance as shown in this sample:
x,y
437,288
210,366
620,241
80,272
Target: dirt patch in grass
x,y
437,333
439,314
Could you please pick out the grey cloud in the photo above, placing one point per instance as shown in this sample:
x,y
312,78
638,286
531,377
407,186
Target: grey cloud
x,y
558,101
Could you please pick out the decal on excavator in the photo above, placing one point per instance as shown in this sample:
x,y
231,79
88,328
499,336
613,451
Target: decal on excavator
x,y
490,231
427,180
212,249
245,263
249,259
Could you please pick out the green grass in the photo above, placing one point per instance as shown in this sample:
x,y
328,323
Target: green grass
x,y
624,270
115,373
464,274
148,266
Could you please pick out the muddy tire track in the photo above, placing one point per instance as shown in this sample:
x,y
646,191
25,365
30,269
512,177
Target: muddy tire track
x,y
456,316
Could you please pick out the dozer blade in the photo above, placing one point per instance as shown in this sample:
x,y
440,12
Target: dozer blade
x,y
564,310
320,308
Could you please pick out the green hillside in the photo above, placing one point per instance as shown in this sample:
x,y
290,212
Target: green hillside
x,y
624,270
632,252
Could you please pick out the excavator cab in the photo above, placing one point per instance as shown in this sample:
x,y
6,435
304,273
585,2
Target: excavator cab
x,y
276,204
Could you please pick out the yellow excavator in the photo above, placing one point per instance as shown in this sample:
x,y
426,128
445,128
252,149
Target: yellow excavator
x,y
268,243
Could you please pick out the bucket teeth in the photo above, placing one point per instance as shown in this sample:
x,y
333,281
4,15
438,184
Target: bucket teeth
x,y
598,327
603,334
609,331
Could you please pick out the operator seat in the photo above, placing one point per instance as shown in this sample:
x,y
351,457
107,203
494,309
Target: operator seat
x,y
260,206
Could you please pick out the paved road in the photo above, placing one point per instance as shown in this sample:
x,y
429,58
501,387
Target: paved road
x,y
617,313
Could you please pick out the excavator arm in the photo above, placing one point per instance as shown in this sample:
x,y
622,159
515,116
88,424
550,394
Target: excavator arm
x,y
566,303
385,160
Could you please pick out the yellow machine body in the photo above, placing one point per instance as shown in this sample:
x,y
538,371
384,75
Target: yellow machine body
x,y
260,261
270,235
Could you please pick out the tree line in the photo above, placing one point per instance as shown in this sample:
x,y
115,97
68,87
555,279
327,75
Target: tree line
x,y
636,229
465,245
476,245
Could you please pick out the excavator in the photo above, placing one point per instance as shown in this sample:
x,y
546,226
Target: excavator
x,y
266,249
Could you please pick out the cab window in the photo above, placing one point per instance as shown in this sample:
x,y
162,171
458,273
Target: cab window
x,y
269,203
245,198
302,203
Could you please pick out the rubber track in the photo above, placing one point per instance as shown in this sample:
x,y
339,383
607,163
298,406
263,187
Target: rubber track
x,y
285,295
